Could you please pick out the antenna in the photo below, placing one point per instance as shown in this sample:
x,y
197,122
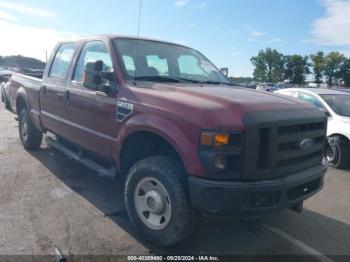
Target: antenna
x,y
138,27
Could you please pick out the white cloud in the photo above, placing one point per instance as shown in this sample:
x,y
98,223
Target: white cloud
x,y
193,25
7,16
256,34
198,5
27,10
181,3
30,41
333,28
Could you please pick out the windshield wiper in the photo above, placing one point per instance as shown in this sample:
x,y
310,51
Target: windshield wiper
x,y
158,78
166,79
179,79
216,83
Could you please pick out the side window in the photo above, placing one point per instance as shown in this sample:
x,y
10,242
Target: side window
x,y
154,62
129,65
92,52
62,60
311,99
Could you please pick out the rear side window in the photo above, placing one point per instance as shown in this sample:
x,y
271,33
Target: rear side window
x,y
62,60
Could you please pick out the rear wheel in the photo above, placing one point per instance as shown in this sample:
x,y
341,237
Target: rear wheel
x,y
30,136
338,152
157,202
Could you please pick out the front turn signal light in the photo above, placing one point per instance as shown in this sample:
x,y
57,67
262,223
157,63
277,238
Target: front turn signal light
x,y
222,139
214,139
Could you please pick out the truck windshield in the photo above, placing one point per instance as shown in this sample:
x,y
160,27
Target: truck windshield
x,y
161,62
339,103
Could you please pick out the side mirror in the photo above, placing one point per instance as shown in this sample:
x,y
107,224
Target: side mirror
x,y
96,79
92,78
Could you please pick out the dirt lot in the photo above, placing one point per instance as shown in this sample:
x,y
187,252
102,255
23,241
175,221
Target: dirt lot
x,y
47,200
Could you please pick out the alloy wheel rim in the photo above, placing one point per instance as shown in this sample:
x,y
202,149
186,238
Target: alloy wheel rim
x,y
331,153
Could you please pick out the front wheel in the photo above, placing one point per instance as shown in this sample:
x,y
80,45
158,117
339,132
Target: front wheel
x,y
30,136
338,153
157,202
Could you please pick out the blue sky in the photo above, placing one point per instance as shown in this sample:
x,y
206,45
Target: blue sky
x,y
228,32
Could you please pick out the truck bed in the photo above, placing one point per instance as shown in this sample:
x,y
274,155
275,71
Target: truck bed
x,y
28,85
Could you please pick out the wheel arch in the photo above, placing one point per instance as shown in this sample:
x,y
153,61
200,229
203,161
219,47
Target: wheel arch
x,y
163,131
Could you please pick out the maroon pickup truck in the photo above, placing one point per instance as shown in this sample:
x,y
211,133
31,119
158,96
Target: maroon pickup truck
x,y
182,139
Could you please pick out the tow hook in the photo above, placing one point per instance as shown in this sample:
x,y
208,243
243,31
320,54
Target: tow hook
x,y
252,225
58,255
298,207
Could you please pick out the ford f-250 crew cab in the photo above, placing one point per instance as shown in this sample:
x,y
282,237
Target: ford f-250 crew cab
x,y
184,141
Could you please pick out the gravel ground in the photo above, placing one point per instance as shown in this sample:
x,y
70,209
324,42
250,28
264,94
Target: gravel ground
x,y
48,200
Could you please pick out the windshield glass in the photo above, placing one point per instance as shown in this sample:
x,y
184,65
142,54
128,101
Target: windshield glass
x,y
156,61
339,103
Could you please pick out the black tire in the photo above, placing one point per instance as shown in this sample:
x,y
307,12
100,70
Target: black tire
x,y
31,137
170,173
338,152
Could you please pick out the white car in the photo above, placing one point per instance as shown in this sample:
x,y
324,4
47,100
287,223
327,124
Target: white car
x,y
336,105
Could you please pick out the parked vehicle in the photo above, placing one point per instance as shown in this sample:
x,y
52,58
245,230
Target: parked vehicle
x,y
5,95
266,87
163,118
336,105
4,88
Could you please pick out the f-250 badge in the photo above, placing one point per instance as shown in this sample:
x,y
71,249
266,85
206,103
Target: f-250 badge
x,y
124,109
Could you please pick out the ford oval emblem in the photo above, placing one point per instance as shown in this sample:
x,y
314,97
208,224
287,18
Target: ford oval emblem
x,y
306,144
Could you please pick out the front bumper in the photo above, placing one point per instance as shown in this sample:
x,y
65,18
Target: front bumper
x,y
249,199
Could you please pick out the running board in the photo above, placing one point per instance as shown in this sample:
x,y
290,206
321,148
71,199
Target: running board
x,y
100,170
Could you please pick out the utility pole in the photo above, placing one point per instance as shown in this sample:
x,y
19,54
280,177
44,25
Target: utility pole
x,y
140,10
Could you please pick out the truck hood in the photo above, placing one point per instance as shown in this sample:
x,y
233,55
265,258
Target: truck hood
x,y
227,104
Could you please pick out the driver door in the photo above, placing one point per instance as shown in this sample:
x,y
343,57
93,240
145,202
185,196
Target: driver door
x,y
91,112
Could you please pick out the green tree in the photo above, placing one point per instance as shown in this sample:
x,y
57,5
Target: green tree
x,y
21,62
269,65
333,62
318,66
344,72
297,68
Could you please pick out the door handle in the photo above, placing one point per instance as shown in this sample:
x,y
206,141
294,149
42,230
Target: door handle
x,y
64,95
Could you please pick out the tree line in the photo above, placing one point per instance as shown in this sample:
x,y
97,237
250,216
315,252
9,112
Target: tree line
x,y
273,66
18,61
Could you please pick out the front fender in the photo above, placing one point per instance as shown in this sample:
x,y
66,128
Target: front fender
x,y
184,141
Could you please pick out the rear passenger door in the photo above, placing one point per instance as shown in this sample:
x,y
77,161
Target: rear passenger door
x,y
90,112
53,91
